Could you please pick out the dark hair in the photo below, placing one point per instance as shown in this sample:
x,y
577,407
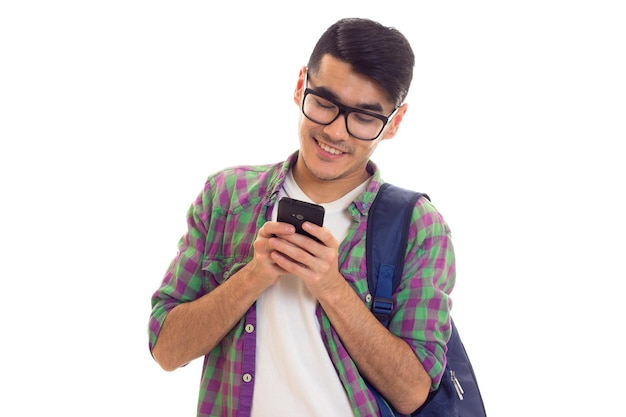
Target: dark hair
x,y
379,52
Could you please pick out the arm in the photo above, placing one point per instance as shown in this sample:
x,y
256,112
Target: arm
x,y
384,359
193,328
405,367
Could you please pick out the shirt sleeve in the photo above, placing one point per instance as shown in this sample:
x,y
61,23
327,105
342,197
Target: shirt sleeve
x,y
183,280
422,313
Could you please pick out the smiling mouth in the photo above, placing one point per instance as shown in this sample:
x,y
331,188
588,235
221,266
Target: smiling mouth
x,y
329,149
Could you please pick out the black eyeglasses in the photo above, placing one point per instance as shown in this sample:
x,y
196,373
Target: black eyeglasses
x,y
324,110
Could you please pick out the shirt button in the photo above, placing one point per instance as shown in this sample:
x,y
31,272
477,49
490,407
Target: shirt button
x,y
247,377
368,298
249,328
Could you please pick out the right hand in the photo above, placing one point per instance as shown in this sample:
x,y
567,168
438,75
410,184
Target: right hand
x,y
262,265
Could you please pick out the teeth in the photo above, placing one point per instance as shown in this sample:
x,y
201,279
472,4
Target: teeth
x,y
329,149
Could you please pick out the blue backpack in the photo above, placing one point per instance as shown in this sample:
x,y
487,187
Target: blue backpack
x,y
388,221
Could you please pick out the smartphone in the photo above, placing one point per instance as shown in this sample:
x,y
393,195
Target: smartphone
x,y
297,212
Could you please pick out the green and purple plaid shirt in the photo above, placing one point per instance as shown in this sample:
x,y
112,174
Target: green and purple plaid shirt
x,y
222,225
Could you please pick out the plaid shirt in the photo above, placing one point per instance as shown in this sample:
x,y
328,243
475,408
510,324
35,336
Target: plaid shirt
x,y
222,226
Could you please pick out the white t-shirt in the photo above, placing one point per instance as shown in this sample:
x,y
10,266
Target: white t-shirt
x,y
294,374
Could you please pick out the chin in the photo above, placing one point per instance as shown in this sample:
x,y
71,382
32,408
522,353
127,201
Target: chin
x,y
318,169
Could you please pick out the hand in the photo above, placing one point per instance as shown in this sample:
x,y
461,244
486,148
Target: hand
x,y
263,267
316,264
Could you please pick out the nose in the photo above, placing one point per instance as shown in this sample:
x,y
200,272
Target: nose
x,y
338,129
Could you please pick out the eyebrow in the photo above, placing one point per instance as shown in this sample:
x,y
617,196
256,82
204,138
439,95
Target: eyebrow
x,y
374,107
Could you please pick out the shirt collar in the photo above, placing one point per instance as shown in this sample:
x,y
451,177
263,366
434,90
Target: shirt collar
x,y
362,202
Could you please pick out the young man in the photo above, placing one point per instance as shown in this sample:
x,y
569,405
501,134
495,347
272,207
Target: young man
x,y
283,321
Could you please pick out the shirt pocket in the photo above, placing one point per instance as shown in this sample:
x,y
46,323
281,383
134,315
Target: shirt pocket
x,y
218,270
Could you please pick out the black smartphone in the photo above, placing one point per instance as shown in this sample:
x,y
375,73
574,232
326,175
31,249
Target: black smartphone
x,y
297,212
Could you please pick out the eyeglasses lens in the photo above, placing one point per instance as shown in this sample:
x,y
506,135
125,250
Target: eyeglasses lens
x,y
360,125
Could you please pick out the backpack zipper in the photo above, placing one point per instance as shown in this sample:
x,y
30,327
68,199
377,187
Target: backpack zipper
x,y
457,385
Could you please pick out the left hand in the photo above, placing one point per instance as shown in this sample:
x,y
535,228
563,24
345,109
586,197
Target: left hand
x,y
316,264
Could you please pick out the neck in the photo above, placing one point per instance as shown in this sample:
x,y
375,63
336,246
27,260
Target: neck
x,y
324,191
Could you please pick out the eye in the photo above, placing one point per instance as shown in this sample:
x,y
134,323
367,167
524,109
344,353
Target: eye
x,y
364,118
324,104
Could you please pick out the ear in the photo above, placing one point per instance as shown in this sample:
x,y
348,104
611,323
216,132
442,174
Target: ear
x,y
393,127
297,94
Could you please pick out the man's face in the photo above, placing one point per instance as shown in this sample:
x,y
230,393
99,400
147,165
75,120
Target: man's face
x,y
329,152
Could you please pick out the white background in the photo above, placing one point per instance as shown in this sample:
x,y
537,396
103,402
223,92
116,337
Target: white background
x,y
113,113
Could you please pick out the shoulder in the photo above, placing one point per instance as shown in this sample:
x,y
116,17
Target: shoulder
x,y
244,178
240,185
427,222
240,177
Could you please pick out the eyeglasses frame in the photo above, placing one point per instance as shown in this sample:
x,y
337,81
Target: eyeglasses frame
x,y
345,110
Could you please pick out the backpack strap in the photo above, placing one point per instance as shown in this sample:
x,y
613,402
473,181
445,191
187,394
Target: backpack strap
x,y
388,220
388,223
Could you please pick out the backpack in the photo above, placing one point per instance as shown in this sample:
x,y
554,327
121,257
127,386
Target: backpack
x,y
388,220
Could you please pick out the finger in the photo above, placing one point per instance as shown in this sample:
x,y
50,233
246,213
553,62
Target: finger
x,y
289,264
295,248
323,235
270,229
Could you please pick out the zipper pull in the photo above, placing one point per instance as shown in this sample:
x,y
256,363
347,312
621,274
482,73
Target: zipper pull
x,y
457,385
